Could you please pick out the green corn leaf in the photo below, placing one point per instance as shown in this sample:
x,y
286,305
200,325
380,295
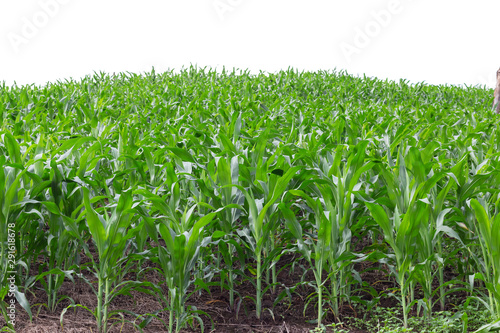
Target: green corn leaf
x,y
183,154
96,226
291,221
383,221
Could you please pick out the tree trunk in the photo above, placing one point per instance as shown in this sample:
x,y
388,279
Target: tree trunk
x,y
496,100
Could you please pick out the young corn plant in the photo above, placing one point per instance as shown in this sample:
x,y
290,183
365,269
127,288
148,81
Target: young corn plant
x,y
400,234
257,232
61,248
428,187
227,174
8,188
489,228
12,181
184,243
272,248
336,187
316,246
401,231
267,164
111,234
185,240
407,192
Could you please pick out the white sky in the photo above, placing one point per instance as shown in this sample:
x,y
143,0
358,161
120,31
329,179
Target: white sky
x,y
436,41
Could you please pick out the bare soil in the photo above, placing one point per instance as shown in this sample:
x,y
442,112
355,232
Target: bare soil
x,y
285,317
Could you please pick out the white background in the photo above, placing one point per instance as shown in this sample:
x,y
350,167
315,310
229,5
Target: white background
x,y
436,41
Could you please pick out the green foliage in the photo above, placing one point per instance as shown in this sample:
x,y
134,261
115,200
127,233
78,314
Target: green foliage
x,y
210,178
387,320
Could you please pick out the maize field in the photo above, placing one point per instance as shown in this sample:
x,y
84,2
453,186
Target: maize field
x,y
227,201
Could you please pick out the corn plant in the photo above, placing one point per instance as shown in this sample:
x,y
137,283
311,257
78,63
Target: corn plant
x,y
400,233
185,240
428,187
11,187
183,245
489,228
337,195
61,247
228,175
317,246
258,232
111,234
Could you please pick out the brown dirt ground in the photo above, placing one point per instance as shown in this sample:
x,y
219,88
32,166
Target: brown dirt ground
x,y
285,317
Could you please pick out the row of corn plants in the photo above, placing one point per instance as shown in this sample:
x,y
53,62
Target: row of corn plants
x,y
209,178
